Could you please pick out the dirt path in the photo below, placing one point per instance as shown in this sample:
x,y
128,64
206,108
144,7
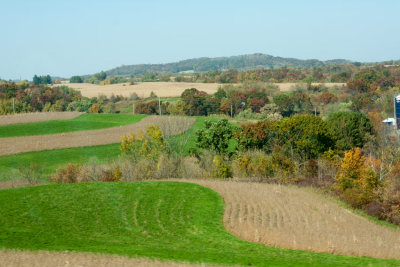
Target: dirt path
x,y
13,145
14,258
36,117
299,218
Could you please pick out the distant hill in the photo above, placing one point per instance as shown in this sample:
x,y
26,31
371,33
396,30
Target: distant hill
x,y
243,62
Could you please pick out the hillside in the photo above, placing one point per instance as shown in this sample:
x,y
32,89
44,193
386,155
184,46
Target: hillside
x,y
242,62
160,220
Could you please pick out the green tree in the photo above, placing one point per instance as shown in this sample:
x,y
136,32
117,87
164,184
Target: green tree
x,y
285,105
215,136
349,129
304,136
76,79
101,76
36,80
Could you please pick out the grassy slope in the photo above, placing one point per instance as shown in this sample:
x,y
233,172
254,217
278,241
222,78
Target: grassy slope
x,y
50,160
165,220
81,123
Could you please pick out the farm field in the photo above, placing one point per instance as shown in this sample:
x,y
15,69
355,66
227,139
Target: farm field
x,y
14,145
83,122
298,218
50,160
37,117
162,89
17,258
160,220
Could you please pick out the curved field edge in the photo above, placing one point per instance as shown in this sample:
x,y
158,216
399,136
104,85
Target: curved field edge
x,y
81,123
297,218
160,220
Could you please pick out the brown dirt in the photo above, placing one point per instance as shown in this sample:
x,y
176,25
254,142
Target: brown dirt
x,y
14,184
37,117
163,89
15,258
300,218
13,145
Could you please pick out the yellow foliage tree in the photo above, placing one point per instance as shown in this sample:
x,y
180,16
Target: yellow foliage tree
x,y
355,172
149,145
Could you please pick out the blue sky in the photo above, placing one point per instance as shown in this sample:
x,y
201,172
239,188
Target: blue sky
x,y
65,38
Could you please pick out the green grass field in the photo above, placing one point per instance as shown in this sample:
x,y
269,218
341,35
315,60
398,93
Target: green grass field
x,y
81,123
50,160
163,220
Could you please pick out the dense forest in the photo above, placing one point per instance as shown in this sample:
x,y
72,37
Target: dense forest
x,y
204,64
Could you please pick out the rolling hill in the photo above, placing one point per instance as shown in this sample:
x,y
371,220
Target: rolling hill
x,y
160,220
203,64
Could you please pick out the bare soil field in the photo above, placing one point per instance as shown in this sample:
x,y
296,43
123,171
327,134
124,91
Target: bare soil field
x,y
300,218
15,258
162,89
37,117
15,145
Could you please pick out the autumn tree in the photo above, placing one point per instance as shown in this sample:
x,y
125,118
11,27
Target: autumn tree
x,y
147,145
355,173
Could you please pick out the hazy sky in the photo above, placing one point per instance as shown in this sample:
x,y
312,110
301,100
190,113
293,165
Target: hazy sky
x,y
64,38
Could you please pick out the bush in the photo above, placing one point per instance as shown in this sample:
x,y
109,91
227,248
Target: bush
x,y
113,175
357,198
95,108
254,164
376,210
220,169
67,174
31,174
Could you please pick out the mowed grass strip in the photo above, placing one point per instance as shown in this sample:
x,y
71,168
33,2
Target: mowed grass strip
x,y
81,123
49,160
162,220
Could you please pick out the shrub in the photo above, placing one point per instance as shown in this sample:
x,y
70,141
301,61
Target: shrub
x,y
67,174
95,108
31,174
113,175
220,169
376,210
357,197
253,164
